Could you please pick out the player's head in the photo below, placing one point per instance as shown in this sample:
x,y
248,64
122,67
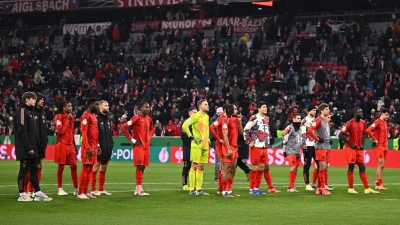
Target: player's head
x,y
29,98
312,110
296,118
144,108
65,107
384,114
220,111
202,104
328,118
103,107
192,110
324,109
39,100
224,106
93,105
230,110
358,114
262,108
235,110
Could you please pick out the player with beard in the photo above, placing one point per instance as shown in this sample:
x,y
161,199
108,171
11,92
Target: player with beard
x,y
322,146
106,145
142,126
291,142
355,129
90,146
65,149
380,137
199,146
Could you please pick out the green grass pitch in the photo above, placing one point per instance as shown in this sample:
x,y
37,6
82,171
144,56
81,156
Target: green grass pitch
x,y
169,204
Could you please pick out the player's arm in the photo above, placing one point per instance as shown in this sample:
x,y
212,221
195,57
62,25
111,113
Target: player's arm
x,y
193,119
240,125
303,131
315,125
226,140
126,126
345,131
84,129
151,130
212,128
371,129
185,138
23,129
247,130
285,139
60,126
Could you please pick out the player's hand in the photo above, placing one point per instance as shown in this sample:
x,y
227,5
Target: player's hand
x,y
251,144
361,147
239,118
375,143
138,143
284,154
31,152
305,149
99,150
320,140
353,146
330,142
89,153
197,141
69,117
221,141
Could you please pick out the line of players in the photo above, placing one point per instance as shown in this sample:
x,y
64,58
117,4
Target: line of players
x,y
310,135
96,149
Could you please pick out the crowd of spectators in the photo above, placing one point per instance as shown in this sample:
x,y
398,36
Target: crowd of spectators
x,y
268,66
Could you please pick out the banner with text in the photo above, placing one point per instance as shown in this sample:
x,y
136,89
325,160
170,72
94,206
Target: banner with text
x,y
139,26
241,25
41,6
82,28
144,3
186,24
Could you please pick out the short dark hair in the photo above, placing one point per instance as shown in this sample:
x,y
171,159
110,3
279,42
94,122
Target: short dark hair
x,y
200,102
384,110
27,95
91,100
260,104
61,106
142,104
355,110
192,108
323,106
295,115
224,106
230,110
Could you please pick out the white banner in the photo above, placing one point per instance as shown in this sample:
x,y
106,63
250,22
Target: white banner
x,y
82,28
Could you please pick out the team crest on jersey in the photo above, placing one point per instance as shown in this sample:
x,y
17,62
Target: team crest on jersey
x,y
225,126
129,123
58,123
216,123
314,124
84,121
373,125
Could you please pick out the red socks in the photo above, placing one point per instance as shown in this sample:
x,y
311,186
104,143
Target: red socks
x,y
292,179
93,180
321,179
84,178
74,176
267,176
257,180
26,182
350,179
326,177
102,179
378,181
364,179
139,177
229,183
39,174
314,176
60,170
253,175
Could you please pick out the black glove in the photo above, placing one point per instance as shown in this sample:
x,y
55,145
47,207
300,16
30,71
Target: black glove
x,y
320,140
285,154
361,147
191,138
330,142
271,141
373,144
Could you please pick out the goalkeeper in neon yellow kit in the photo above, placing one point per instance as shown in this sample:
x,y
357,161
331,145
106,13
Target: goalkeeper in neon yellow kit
x,y
200,146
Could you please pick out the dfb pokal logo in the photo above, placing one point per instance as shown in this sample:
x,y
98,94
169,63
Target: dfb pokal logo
x,y
179,155
163,155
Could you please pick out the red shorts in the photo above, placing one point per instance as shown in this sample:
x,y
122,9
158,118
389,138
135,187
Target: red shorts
x,y
91,160
294,160
354,155
218,149
380,152
258,155
233,157
322,155
65,154
141,156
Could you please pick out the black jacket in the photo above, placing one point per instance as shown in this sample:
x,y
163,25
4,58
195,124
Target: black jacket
x,y
40,119
243,148
105,136
25,133
186,142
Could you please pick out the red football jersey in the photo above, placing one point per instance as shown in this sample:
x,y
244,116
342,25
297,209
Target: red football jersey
x,y
90,131
65,129
380,129
355,131
232,126
217,125
142,129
